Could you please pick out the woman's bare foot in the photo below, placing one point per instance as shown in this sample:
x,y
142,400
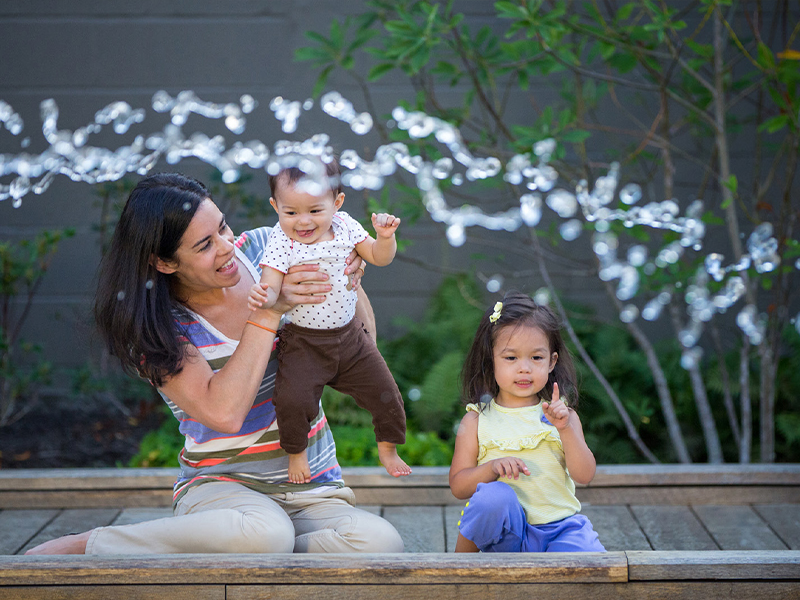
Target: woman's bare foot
x,y
299,471
394,465
68,544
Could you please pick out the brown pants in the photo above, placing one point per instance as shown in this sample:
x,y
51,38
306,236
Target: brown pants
x,y
346,359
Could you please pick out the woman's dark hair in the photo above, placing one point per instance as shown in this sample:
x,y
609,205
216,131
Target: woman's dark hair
x,y
519,310
135,308
291,175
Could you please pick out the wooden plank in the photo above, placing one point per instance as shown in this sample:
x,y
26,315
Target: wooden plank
x,y
74,520
85,499
784,519
404,496
371,508
339,569
673,528
418,496
421,527
696,474
17,527
731,564
452,515
87,479
114,592
738,528
617,528
552,591
130,516
362,477
683,495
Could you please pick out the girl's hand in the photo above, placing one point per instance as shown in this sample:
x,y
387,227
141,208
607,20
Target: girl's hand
x,y
385,225
556,411
509,467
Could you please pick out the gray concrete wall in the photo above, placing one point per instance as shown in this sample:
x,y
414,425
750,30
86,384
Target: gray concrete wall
x,y
88,53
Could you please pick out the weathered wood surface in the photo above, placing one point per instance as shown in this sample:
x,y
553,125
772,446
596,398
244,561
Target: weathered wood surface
x,y
342,569
613,485
671,531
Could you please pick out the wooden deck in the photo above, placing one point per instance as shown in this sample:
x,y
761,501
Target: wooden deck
x,y
696,531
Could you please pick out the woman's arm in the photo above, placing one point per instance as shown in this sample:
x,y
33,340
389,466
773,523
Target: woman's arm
x,y
465,473
222,400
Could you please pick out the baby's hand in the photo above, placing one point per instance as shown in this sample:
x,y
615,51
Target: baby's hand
x,y
509,467
261,296
385,225
555,410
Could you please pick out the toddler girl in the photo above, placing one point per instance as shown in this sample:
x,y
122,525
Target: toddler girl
x,y
520,449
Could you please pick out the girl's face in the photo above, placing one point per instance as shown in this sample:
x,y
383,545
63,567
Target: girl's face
x,y
305,218
522,363
205,258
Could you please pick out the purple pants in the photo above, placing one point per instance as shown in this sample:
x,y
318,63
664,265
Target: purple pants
x,y
494,521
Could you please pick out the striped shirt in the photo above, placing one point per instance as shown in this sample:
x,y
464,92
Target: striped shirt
x,y
548,493
252,456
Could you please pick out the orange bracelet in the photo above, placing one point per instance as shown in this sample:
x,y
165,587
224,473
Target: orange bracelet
x,y
262,327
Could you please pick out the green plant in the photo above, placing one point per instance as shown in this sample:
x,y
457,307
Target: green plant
x,y
160,448
22,370
661,90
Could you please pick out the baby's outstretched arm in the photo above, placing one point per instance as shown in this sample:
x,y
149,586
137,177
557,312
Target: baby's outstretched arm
x,y
580,460
265,293
380,251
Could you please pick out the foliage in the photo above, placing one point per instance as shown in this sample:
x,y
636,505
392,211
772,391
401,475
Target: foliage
x,y
661,89
22,370
160,448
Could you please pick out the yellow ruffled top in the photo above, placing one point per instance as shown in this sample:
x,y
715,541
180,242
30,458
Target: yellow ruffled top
x,y
548,493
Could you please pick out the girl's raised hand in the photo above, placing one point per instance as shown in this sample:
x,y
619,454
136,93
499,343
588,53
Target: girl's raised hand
x,y
555,410
509,467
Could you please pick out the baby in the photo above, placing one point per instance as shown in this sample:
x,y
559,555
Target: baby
x,y
324,344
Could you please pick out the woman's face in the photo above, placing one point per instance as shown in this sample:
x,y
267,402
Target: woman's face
x,y
205,258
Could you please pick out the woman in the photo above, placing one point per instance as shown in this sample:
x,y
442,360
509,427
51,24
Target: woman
x,y
172,305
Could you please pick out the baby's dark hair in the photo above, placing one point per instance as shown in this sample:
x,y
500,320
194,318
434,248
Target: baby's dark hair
x,y
291,175
519,310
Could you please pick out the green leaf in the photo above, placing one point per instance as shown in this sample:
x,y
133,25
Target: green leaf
x,y
309,53
625,11
379,71
622,61
775,124
765,57
575,136
731,183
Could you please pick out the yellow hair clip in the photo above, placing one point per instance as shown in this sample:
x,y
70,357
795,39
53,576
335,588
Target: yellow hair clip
x,y
496,314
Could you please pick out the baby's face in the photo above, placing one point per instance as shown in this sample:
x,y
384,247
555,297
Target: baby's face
x,y
305,218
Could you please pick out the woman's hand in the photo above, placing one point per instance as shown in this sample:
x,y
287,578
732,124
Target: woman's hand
x,y
302,284
354,270
509,467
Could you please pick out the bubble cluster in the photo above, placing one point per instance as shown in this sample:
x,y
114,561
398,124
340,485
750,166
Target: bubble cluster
x,y
593,206
335,105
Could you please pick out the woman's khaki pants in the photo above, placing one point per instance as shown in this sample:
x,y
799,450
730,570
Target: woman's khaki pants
x,y
223,517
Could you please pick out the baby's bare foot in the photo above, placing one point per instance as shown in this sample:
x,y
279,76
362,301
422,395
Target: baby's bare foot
x,y
394,465
299,471
68,544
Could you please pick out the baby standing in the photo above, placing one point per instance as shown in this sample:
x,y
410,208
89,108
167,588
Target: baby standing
x,y
324,344
520,448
